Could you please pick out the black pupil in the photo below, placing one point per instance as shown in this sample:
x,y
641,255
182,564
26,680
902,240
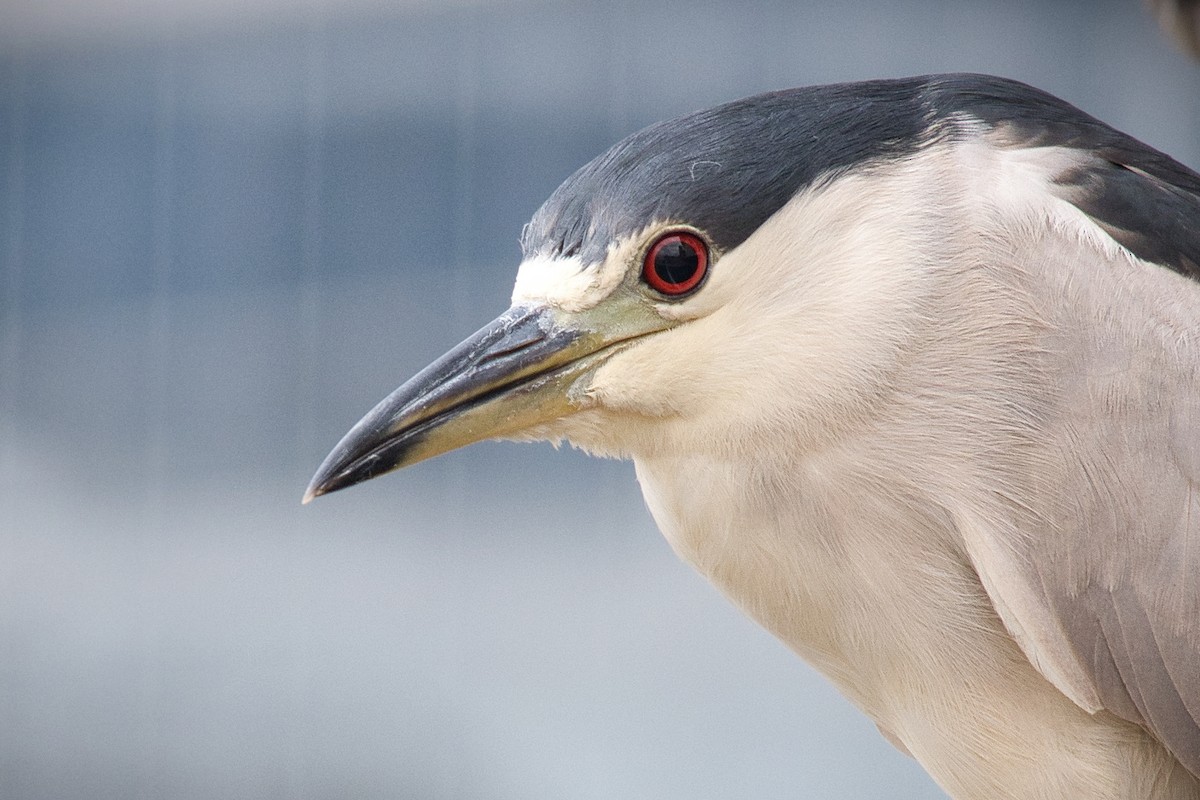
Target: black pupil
x,y
676,262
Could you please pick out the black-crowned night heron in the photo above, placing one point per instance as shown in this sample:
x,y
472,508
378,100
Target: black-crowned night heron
x,y
909,369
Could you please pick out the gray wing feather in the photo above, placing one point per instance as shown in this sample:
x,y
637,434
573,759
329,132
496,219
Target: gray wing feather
x,y
1105,597
1129,601
1151,626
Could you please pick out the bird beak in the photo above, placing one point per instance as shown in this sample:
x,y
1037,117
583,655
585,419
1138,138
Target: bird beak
x,y
514,373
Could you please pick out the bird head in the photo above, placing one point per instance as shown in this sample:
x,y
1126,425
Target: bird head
x,y
675,289
706,284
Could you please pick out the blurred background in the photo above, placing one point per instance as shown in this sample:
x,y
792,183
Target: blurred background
x,y
226,230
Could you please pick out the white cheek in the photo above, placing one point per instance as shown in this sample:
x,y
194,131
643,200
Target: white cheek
x,y
564,283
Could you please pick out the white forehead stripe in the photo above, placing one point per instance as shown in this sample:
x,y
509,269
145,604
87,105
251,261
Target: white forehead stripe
x,y
564,282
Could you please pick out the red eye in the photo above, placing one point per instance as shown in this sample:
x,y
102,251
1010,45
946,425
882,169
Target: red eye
x,y
676,264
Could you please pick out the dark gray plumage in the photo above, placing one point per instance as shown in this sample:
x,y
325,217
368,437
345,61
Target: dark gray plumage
x,y
727,169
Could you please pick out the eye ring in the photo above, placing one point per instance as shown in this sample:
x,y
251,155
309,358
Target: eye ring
x,y
676,264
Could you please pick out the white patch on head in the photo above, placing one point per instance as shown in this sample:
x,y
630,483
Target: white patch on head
x,y
570,285
565,283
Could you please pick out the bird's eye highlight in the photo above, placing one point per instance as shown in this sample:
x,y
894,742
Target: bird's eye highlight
x,y
676,263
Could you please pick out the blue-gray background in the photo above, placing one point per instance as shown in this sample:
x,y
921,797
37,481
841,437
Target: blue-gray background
x,y
225,232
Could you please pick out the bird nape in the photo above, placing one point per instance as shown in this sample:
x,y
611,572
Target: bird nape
x,y
908,369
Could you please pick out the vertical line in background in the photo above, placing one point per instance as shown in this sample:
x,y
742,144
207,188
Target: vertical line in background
x,y
15,711
619,13
11,279
312,233
466,107
155,530
158,316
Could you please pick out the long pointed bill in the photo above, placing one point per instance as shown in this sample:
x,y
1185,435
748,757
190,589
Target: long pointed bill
x,y
514,373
